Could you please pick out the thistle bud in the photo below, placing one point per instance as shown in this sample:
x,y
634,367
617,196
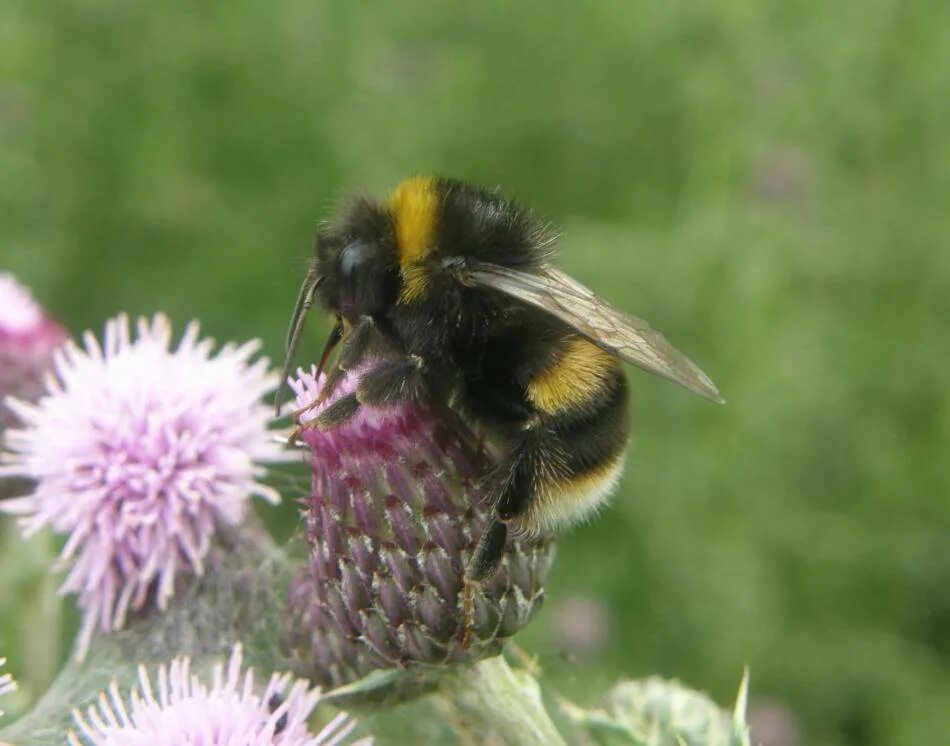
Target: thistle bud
x,y
657,712
393,516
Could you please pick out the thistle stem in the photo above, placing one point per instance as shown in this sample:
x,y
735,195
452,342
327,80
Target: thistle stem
x,y
502,704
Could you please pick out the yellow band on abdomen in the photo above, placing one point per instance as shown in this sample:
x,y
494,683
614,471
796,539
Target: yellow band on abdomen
x,y
579,373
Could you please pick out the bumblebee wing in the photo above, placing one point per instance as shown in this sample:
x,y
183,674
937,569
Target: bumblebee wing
x,y
629,338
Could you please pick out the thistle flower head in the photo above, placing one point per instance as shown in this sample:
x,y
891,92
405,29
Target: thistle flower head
x,y
181,709
27,340
139,452
393,517
7,684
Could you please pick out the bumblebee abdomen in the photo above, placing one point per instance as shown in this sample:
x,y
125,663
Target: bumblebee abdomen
x,y
581,398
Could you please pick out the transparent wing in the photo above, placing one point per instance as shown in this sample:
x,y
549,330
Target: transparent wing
x,y
629,338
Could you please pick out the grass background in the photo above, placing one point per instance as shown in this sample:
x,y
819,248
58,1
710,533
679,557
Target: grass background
x,y
766,182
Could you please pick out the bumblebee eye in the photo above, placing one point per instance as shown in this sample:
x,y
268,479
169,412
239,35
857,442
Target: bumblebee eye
x,y
355,257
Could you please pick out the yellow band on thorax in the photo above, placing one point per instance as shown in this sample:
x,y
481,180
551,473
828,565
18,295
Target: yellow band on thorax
x,y
414,204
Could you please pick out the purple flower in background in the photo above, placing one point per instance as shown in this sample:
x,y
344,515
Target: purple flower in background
x,y
182,710
7,684
393,517
27,340
139,452
582,625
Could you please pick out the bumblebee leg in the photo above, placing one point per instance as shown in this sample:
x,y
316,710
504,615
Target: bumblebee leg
x,y
364,340
488,553
531,459
337,413
389,383
393,382
483,564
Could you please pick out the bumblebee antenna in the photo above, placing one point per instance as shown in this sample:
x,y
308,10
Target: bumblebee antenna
x,y
305,299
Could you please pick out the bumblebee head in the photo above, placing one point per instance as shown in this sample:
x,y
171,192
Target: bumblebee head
x,y
355,277
355,264
354,273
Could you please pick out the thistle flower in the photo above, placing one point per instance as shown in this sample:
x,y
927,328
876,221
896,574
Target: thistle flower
x,y
139,453
27,340
183,710
7,684
393,517
582,625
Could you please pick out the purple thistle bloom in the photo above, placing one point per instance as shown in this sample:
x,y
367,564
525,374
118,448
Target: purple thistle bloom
x,y
183,710
7,684
139,452
27,340
392,519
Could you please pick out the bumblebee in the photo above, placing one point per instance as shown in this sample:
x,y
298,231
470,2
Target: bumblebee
x,y
452,287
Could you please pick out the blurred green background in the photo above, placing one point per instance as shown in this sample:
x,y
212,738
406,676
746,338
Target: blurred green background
x,y
767,182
